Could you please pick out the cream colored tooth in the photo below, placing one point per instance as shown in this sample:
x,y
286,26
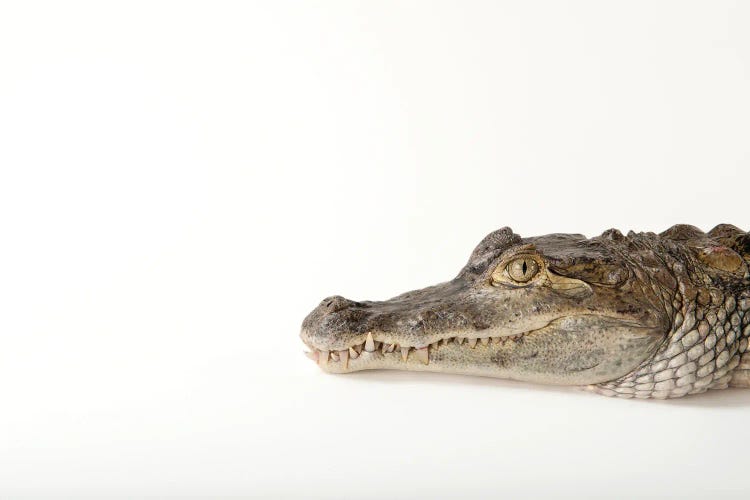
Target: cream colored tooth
x,y
344,358
353,353
423,354
334,355
369,343
358,348
472,343
312,355
496,340
323,358
446,341
404,353
485,340
459,340
391,348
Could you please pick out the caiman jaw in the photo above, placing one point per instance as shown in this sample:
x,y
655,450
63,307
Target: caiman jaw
x,y
572,350
377,351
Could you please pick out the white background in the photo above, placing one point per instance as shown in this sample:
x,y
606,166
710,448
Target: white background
x,y
181,183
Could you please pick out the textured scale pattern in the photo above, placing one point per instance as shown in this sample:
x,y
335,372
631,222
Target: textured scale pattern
x,y
707,344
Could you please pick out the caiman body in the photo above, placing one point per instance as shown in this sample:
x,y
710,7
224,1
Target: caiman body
x,y
644,315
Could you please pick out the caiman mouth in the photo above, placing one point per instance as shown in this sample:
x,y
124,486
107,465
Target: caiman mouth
x,y
373,344
517,356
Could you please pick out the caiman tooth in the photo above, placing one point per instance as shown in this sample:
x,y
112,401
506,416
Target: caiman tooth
x,y
358,348
405,353
459,340
496,339
389,347
369,343
323,358
334,355
485,340
353,353
312,355
446,341
423,354
344,355
472,343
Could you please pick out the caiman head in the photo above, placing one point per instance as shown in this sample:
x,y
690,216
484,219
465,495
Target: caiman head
x,y
557,309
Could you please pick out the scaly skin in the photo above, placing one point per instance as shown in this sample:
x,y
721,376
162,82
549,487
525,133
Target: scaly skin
x,y
642,315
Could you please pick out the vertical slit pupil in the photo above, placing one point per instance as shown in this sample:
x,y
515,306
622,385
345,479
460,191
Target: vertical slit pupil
x,y
525,267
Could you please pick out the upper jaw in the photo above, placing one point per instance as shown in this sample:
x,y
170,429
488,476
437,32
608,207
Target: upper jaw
x,y
415,319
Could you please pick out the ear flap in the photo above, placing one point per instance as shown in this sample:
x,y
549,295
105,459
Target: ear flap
x,y
601,272
575,257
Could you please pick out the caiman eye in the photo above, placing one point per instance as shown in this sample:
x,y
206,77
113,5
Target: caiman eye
x,y
522,269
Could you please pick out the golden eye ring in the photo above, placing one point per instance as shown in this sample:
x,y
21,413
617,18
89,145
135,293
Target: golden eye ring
x,y
522,269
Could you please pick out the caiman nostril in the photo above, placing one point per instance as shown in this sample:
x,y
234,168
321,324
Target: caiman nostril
x,y
335,303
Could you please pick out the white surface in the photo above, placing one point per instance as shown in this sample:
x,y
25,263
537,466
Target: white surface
x,y
182,183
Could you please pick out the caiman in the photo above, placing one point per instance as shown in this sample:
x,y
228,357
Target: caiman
x,y
639,316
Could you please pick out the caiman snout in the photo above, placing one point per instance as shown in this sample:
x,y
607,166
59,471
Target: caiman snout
x,y
330,325
416,318
335,318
